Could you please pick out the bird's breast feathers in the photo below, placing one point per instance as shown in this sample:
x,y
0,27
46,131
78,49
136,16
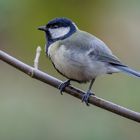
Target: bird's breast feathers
x,y
74,62
65,63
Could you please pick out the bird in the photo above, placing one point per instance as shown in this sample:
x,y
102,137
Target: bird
x,y
78,55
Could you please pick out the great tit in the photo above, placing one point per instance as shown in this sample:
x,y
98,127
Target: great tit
x,y
78,55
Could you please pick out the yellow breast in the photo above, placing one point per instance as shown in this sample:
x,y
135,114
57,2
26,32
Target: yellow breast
x,y
53,49
70,67
57,54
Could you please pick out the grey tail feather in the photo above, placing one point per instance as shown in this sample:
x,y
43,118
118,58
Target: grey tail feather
x,y
128,70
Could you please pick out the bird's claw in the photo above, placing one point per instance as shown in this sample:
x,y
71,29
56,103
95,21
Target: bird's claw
x,y
62,86
86,96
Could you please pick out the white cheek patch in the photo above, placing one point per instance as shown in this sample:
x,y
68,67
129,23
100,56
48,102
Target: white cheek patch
x,y
59,32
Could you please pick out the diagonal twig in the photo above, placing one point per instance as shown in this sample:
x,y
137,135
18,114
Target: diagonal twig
x,y
44,77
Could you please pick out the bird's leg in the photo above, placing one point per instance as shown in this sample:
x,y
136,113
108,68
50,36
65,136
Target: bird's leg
x,y
62,86
88,93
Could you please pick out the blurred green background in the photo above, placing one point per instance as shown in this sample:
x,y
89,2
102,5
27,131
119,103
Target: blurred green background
x,y
31,110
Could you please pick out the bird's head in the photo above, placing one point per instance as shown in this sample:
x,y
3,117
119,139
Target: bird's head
x,y
58,29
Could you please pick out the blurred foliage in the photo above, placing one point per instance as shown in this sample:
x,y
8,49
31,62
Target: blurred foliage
x,y
32,110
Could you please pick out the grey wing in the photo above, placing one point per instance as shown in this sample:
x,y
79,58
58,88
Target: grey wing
x,y
86,44
100,52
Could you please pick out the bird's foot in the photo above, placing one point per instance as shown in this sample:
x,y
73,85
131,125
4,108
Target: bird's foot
x,y
86,96
62,86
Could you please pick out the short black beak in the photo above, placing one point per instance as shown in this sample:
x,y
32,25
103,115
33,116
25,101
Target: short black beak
x,y
42,28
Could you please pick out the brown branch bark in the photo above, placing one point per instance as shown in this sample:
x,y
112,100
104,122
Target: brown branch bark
x,y
44,77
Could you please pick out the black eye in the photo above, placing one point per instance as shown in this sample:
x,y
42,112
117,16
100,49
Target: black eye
x,y
55,26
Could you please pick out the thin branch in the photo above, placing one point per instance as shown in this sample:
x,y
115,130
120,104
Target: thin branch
x,y
44,77
36,60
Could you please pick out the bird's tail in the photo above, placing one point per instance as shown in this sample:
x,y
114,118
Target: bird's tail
x,y
128,70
